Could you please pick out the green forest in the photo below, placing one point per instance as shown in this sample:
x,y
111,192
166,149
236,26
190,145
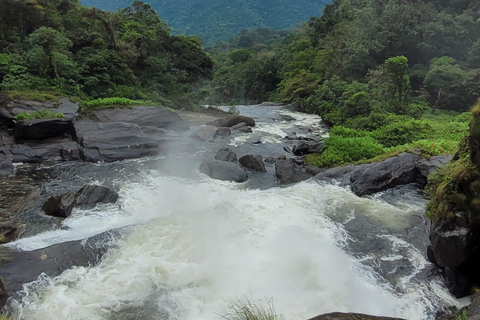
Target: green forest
x,y
64,47
389,76
220,20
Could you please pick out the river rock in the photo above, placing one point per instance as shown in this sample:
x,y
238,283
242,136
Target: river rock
x,y
68,108
54,150
39,129
22,267
225,154
89,195
144,116
231,121
60,206
210,133
242,127
427,167
287,172
350,316
6,166
473,311
223,170
114,141
304,148
379,176
10,231
253,162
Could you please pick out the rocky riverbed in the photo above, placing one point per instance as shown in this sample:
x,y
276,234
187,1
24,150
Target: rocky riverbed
x,y
46,158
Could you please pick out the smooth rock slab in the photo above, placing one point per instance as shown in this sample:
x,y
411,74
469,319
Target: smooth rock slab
x,y
144,116
114,141
223,170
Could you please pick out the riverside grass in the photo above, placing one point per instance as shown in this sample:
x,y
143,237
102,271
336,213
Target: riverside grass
x,y
247,309
431,136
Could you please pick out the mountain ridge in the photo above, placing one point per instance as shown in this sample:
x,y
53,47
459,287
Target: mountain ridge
x,y
219,20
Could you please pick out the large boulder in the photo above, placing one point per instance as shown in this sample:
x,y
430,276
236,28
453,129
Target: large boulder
x,y
223,170
60,206
39,129
89,195
253,162
398,170
350,316
144,116
287,172
55,150
114,141
231,121
225,154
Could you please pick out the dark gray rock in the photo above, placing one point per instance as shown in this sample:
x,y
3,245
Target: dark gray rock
x,y
3,294
253,162
60,206
350,316
269,160
10,231
89,195
339,174
68,108
430,166
55,150
473,311
39,129
304,148
6,166
287,172
222,133
231,121
223,170
22,267
144,117
379,176
114,141
225,154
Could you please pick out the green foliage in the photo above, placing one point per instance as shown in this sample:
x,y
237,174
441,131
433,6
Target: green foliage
x,y
462,315
40,114
245,309
115,101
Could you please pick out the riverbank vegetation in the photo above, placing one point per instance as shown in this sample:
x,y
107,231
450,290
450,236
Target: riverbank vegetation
x,y
73,50
388,76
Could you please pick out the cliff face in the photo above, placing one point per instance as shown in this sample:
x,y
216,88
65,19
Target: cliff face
x,y
455,214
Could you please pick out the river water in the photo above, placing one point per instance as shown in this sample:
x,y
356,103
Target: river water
x,y
188,245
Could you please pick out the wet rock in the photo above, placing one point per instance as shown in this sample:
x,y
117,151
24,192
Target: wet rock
x,y
144,116
269,160
253,162
6,166
231,121
10,231
60,206
379,176
473,311
39,129
304,148
114,141
350,316
68,108
55,150
287,172
22,267
287,149
210,133
89,195
223,170
339,174
427,167
3,294
456,283
225,154
242,127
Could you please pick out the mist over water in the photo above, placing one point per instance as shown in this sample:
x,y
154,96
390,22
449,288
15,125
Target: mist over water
x,y
189,244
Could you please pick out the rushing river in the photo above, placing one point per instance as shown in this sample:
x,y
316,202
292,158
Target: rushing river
x,y
188,244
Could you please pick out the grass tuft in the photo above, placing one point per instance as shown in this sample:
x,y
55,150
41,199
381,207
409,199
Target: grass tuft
x,y
40,114
245,309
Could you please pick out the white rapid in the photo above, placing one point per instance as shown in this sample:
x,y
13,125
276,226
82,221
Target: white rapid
x,y
188,245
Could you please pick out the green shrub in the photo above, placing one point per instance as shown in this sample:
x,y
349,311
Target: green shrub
x,y
115,101
341,150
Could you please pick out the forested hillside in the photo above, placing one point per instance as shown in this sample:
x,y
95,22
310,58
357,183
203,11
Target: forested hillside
x,y
217,20
372,68
63,46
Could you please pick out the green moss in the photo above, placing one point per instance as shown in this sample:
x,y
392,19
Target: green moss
x,y
33,95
